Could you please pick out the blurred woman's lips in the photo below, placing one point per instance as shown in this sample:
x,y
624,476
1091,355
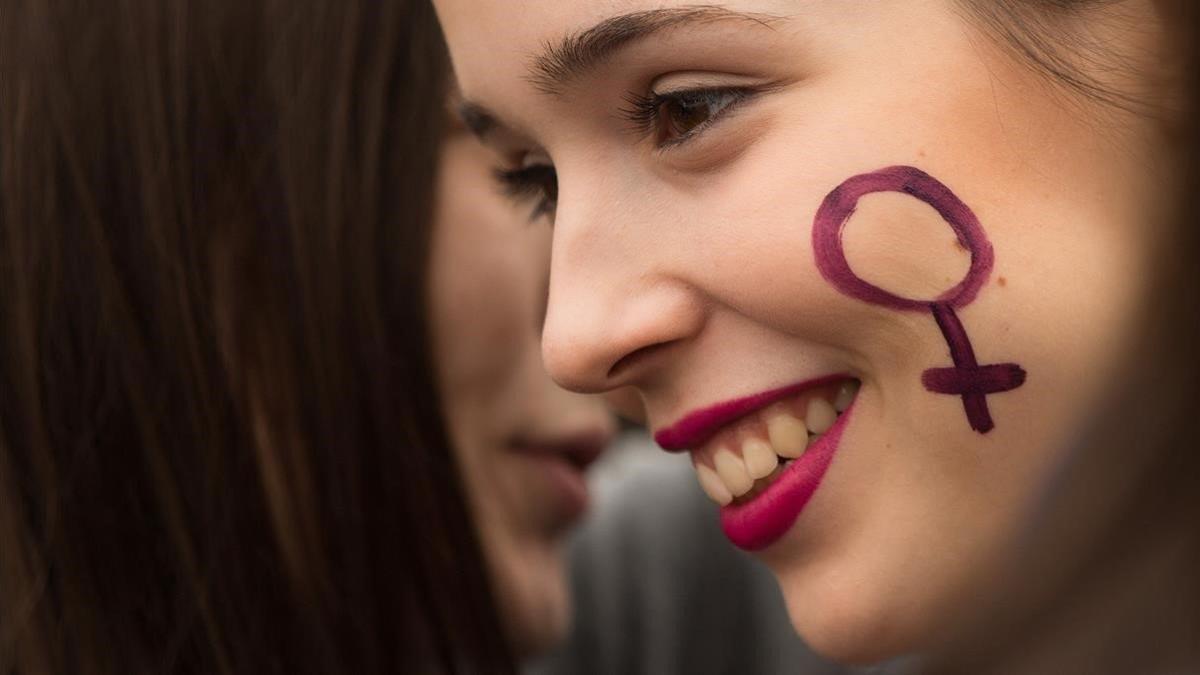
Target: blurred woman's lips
x,y
564,460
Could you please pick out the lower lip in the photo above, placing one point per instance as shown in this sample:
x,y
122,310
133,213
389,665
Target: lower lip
x,y
570,492
763,521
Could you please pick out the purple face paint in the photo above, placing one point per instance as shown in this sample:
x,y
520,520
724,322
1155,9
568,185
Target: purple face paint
x,y
967,378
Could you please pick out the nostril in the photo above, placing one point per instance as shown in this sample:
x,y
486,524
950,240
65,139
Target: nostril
x,y
635,357
600,340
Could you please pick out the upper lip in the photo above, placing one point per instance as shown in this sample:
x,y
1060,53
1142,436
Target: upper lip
x,y
696,427
580,448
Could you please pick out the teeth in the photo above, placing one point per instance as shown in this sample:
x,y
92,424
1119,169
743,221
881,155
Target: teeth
x,y
713,486
820,415
732,471
733,476
788,435
845,395
760,458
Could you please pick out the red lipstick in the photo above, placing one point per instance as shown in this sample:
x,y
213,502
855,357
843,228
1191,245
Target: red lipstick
x,y
697,427
762,522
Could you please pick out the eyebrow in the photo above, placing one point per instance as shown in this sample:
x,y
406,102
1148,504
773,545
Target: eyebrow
x,y
563,62
570,58
478,119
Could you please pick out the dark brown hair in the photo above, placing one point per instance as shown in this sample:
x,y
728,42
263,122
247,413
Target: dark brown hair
x,y
220,449
1106,578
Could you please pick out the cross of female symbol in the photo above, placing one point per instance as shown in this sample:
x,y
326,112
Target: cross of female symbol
x,y
973,382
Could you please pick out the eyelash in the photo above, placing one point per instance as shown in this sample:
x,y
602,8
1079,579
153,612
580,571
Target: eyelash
x,y
529,184
643,110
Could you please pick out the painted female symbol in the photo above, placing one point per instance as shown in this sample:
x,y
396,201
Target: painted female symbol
x,y
967,378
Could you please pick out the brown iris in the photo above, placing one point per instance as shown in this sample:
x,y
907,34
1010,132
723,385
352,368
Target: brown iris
x,y
679,117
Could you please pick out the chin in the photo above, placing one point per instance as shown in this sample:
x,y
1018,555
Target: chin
x,y
845,622
537,605
542,627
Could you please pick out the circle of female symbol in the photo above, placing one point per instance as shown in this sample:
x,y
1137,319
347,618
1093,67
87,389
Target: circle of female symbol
x,y
973,382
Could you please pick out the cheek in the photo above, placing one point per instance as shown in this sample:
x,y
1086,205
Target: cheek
x,y
756,253
903,246
483,323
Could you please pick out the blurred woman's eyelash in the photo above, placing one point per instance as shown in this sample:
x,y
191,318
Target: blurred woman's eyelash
x,y
644,111
537,183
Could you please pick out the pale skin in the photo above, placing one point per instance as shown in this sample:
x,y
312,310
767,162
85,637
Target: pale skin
x,y
683,267
515,432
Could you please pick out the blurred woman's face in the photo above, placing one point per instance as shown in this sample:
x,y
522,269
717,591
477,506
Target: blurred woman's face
x,y
866,266
522,442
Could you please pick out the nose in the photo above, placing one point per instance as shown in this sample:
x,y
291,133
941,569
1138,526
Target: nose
x,y
616,314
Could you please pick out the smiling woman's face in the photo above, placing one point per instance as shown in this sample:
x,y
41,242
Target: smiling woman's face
x,y
877,453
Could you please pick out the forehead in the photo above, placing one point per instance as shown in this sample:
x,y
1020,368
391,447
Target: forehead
x,y
497,39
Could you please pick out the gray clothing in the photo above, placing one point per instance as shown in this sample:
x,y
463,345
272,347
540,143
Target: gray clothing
x,y
659,590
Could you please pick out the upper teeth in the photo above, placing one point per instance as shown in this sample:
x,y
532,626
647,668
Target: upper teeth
x,y
788,435
732,475
760,458
821,416
713,485
845,396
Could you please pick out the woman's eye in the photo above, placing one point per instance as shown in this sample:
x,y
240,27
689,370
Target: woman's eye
x,y
537,183
675,117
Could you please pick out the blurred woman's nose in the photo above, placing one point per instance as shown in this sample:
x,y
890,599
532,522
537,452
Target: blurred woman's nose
x,y
616,315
